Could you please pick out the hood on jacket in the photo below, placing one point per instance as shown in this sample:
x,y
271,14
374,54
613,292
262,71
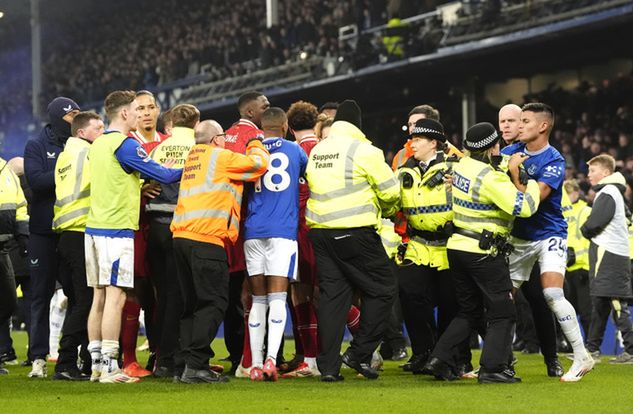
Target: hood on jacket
x,y
57,109
616,179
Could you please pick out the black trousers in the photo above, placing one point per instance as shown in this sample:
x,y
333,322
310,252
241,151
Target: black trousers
x,y
75,330
351,260
393,338
421,289
8,298
234,318
162,265
23,311
602,307
44,271
203,275
481,282
577,292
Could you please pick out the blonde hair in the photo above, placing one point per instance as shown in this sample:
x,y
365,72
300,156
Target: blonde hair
x,y
571,186
323,121
605,161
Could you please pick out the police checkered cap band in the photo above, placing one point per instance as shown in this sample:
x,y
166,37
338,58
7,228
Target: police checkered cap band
x,y
490,139
423,130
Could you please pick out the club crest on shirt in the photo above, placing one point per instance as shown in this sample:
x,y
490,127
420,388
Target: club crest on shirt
x,y
532,169
140,151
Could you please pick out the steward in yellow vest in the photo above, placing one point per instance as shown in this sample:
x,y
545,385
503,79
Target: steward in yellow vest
x,y
576,211
160,211
14,224
351,188
485,202
72,193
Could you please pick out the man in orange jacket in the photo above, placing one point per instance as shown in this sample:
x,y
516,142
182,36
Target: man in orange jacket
x,y
206,217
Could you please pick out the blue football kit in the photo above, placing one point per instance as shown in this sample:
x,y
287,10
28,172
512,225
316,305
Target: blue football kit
x,y
273,201
547,166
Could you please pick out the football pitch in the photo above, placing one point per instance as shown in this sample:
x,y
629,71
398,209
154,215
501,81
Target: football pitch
x,y
608,389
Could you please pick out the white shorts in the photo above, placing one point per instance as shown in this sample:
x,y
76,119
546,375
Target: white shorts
x,y
271,257
109,261
550,253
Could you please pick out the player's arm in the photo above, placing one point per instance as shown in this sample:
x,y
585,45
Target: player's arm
x,y
133,157
601,214
382,180
545,190
251,166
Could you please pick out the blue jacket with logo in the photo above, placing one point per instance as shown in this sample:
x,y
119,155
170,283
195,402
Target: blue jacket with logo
x,y
40,156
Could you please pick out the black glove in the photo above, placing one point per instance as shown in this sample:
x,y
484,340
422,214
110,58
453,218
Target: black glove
x,y
571,256
23,242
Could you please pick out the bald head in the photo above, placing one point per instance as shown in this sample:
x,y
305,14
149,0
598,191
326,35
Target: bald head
x,y
509,116
207,130
17,165
274,123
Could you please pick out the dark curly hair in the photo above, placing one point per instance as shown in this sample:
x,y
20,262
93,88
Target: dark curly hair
x,y
302,115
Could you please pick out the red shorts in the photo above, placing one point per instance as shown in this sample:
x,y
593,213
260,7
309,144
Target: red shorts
x,y
141,268
307,261
235,255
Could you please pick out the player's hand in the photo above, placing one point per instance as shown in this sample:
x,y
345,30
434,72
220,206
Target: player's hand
x,y
516,159
151,190
448,181
169,162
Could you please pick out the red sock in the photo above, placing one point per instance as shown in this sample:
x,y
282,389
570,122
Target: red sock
x,y
307,326
247,358
353,319
295,331
129,331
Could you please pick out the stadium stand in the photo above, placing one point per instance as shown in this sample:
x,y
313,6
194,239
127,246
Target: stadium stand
x,y
201,52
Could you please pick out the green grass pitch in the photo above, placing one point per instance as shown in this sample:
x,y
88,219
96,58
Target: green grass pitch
x,y
608,389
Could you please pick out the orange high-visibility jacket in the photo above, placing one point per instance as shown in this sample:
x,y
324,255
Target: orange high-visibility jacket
x,y
210,196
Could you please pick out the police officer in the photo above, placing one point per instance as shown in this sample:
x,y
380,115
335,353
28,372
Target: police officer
x,y
425,279
351,187
13,224
485,201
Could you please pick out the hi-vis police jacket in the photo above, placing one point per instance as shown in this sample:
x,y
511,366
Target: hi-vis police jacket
x,y
484,198
72,187
14,220
350,183
575,215
427,209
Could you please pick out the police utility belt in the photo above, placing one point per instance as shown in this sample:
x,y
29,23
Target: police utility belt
x,y
497,244
433,238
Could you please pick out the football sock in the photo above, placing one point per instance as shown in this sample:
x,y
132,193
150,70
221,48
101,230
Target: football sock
x,y
307,327
276,322
353,319
311,362
257,329
110,353
295,330
129,331
566,316
94,347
